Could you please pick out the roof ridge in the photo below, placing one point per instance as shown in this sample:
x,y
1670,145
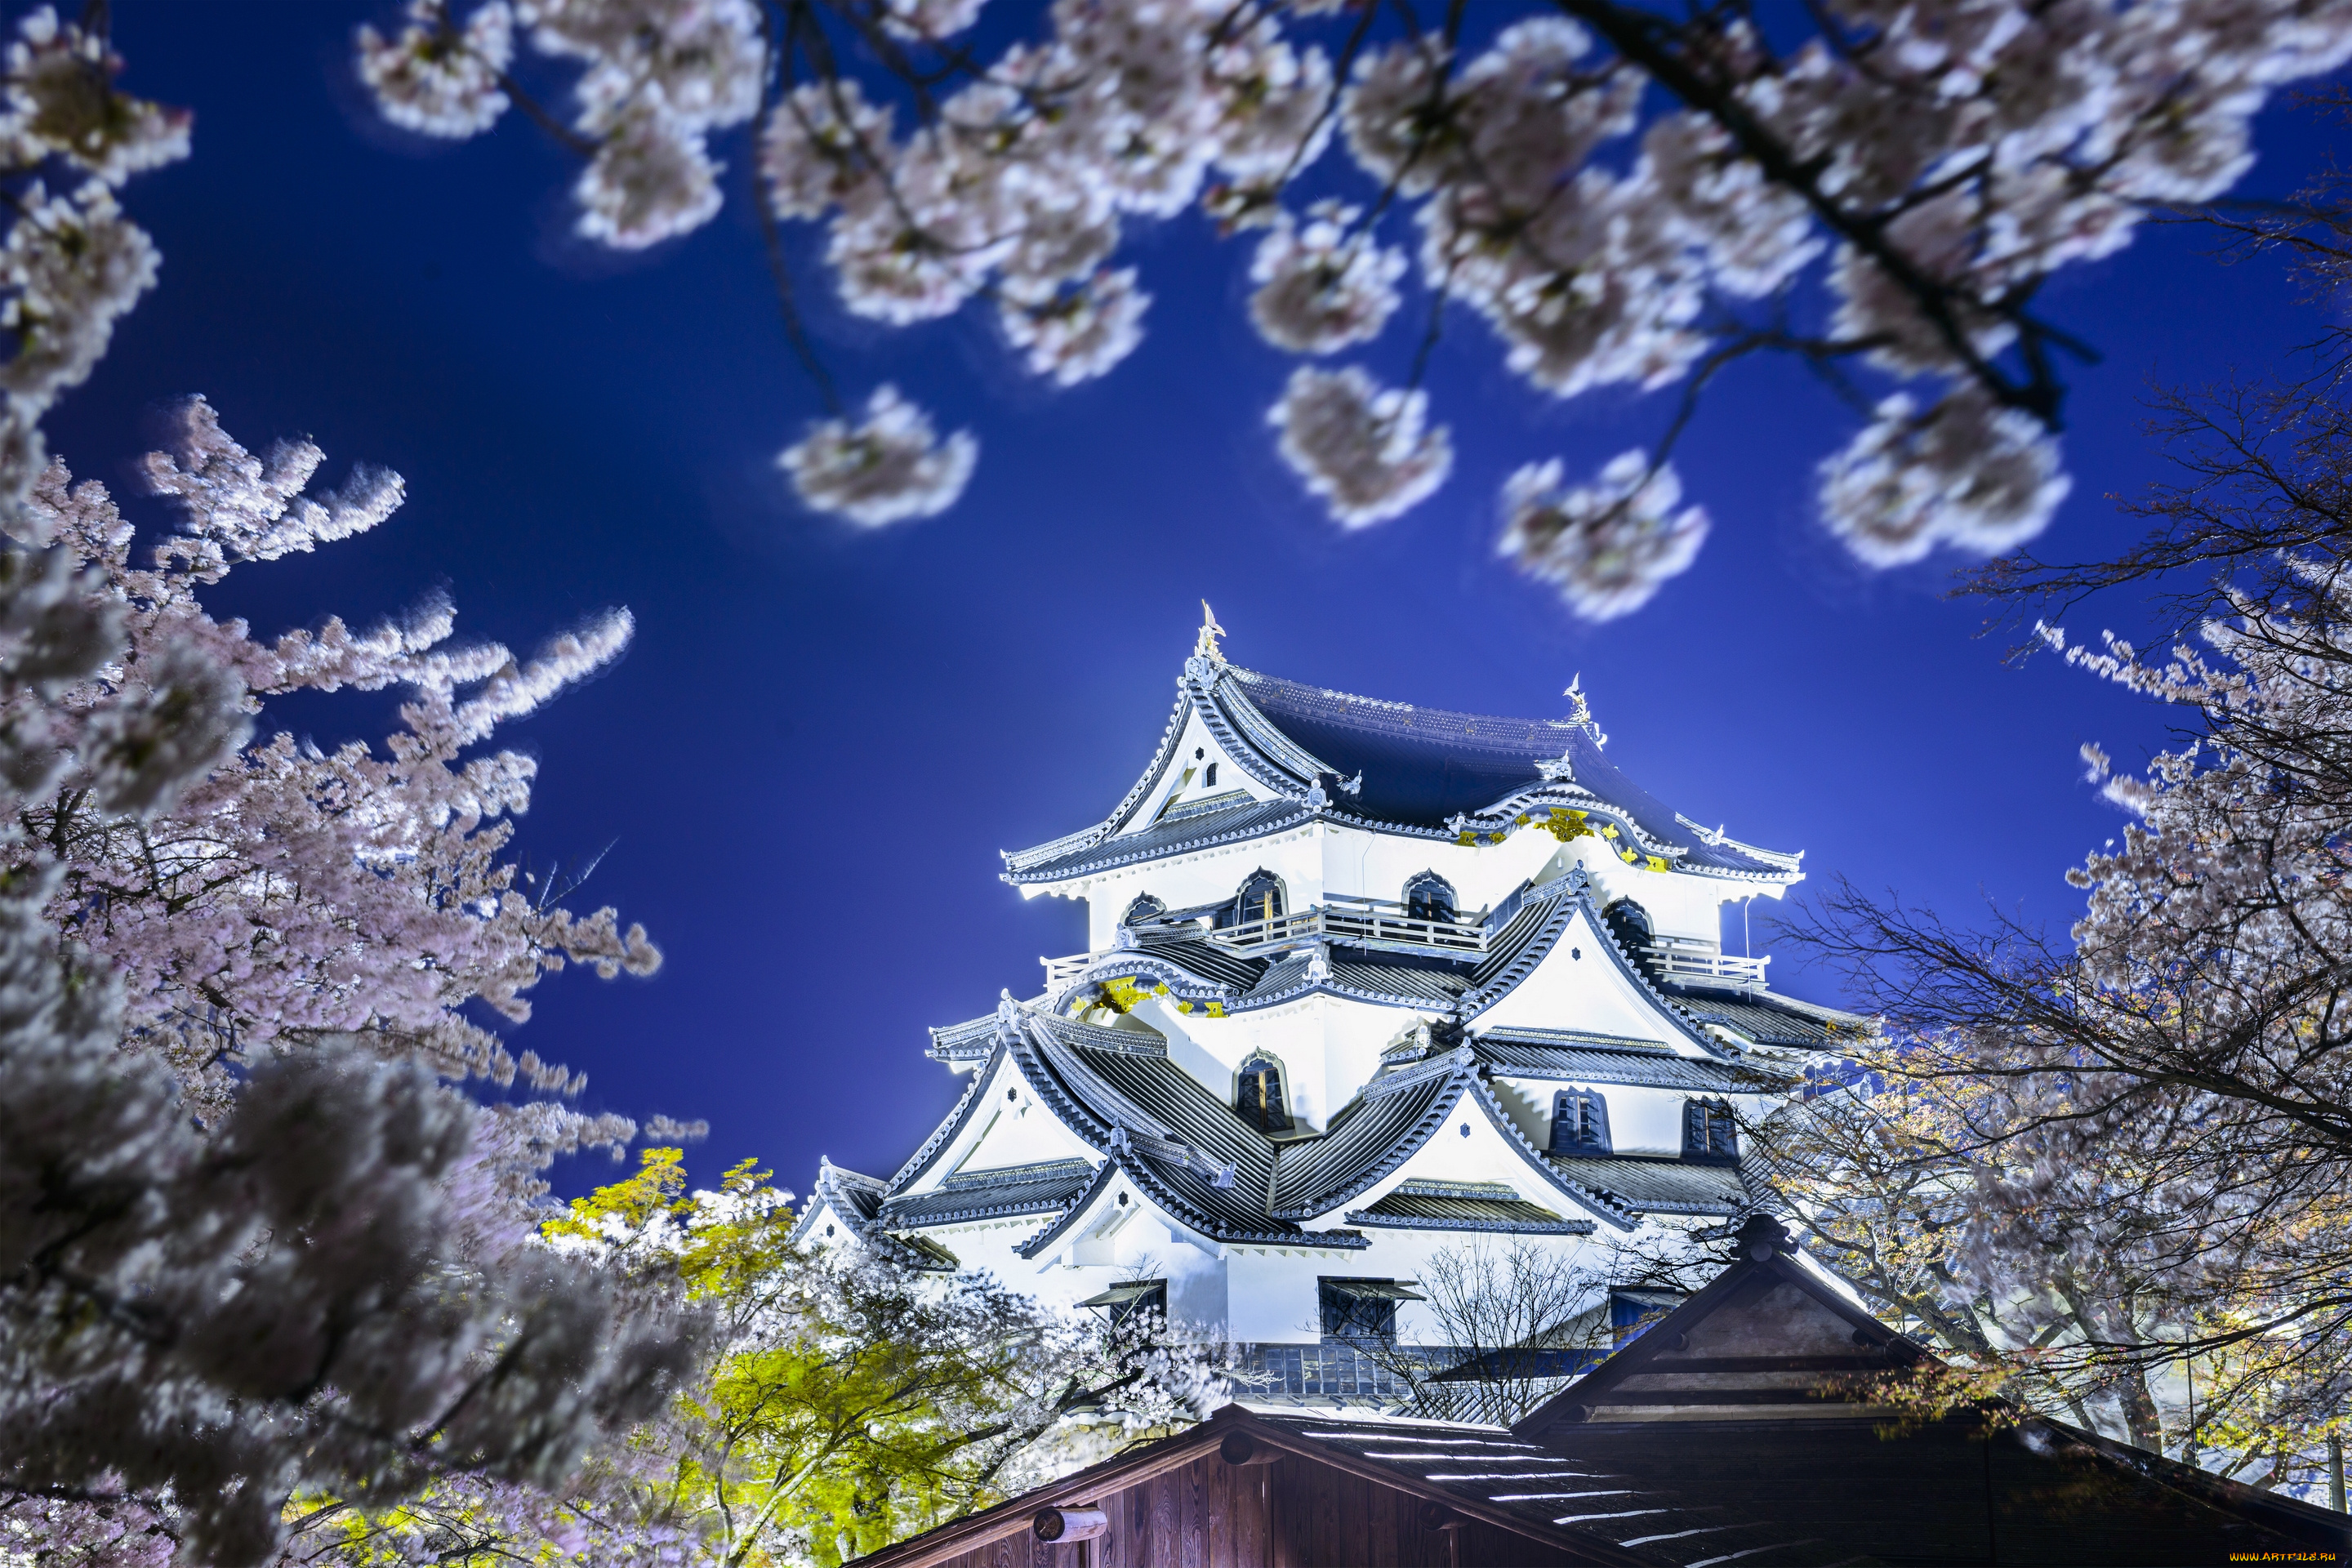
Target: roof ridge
x,y
1567,726
999,1174
1534,1035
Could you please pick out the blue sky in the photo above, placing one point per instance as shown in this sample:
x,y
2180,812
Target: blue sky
x,y
809,760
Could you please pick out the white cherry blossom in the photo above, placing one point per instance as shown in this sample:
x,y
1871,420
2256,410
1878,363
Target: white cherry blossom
x,y
430,82
1083,333
929,18
224,1079
1622,199
1324,284
61,101
1965,473
652,180
1360,446
822,148
1608,545
891,467
700,58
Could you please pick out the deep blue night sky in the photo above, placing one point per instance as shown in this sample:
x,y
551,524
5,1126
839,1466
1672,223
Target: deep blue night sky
x,y
821,738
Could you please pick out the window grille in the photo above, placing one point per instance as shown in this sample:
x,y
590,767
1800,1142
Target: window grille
x,y
1709,1131
1260,899
1361,1309
1429,897
1580,1122
1257,1095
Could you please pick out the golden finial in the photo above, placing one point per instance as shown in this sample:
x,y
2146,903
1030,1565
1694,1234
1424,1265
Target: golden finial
x,y
1210,632
1581,711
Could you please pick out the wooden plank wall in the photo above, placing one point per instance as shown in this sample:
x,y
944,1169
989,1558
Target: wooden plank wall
x,y
1291,1513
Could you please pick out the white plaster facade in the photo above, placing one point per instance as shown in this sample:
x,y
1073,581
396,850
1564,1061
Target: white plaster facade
x,y
1101,1107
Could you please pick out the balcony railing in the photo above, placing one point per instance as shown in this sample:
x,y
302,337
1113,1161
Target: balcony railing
x,y
1384,925
1379,923
1060,971
1681,958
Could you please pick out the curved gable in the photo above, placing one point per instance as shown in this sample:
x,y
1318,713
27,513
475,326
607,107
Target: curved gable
x,y
1604,991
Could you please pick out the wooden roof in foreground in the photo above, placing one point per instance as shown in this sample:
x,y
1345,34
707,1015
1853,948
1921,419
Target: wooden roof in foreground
x,y
1721,1435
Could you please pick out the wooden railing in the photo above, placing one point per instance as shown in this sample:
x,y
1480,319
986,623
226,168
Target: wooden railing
x,y
1681,958
1060,971
1384,925
1378,923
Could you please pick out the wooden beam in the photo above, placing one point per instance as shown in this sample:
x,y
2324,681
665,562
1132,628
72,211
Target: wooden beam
x,y
1008,1519
1339,1459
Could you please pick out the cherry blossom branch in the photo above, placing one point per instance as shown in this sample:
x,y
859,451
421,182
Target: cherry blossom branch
x,y
1638,37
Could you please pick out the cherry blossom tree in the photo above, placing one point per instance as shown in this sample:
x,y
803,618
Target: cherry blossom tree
x,y
2116,1173
2107,1175
1624,195
855,1399
251,1239
251,1236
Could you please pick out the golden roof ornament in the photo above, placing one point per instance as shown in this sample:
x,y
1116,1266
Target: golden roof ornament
x,y
1206,648
1580,712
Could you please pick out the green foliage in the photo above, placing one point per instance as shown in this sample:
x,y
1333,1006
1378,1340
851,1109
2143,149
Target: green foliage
x,y
848,1403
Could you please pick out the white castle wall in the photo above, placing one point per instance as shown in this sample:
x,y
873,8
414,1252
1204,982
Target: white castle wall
x,y
1328,1049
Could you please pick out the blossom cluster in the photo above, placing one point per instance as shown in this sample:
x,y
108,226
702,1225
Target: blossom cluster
x,y
71,263
253,1237
1609,545
1939,161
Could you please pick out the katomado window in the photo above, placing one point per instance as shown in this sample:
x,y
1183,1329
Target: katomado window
x,y
1257,1094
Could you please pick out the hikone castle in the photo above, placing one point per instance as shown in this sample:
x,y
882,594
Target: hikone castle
x,y
1364,980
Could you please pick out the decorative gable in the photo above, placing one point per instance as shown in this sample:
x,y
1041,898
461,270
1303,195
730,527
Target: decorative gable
x,y
1769,1340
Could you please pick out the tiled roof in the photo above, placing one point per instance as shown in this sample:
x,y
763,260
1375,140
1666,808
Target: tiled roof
x,y
1815,1493
1369,1137
970,1041
1644,1184
1378,764
966,1106
1755,1016
1205,959
858,1199
1182,1146
1129,1037
993,1194
1437,986
1585,1058
1424,765
1406,980
1411,1209
1171,836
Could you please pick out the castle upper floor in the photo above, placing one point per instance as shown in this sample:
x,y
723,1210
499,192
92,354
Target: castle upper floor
x,y
1276,815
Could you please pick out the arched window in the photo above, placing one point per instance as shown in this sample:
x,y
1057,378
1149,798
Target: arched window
x,y
1145,907
1580,1122
1428,896
1709,1131
1629,922
1260,899
1257,1094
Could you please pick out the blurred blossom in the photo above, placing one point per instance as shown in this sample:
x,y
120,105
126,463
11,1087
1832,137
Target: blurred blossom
x,y
1609,545
891,467
431,82
1360,446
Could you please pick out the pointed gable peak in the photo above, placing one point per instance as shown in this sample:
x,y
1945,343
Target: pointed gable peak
x,y
1769,1340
